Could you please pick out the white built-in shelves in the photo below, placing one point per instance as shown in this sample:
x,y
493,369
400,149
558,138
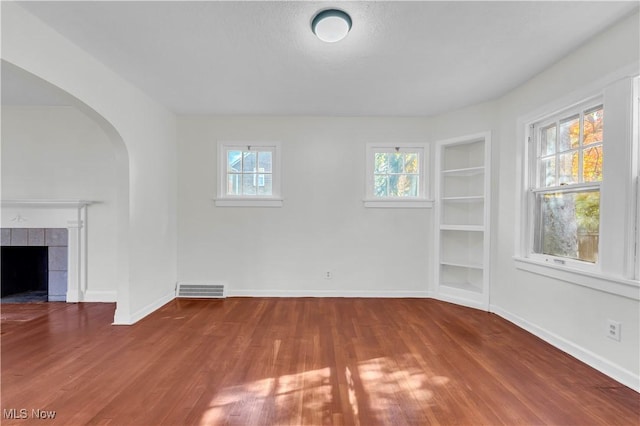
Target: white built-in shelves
x,y
462,220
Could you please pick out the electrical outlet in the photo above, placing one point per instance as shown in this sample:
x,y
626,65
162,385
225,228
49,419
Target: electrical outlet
x,y
328,275
613,329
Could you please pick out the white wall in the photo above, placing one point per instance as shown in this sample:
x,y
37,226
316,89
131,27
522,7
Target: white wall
x,y
58,153
323,225
143,135
570,316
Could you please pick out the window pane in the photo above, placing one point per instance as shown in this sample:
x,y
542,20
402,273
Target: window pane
x,y
592,164
234,161
548,172
392,188
548,141
265,184
249,162
569,224
380,162
380,186
396,173
249,184
593,124
411,162
404,185
569,133
396,163
568,168
233,184
265,161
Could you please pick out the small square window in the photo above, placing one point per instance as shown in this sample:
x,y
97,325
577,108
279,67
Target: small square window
x,y
396,175
248,175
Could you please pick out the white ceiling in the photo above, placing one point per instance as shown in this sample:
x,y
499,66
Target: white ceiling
x,y
400,58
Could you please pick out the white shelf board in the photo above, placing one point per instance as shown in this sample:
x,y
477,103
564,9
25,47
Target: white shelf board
x,y
467,286
473,228
463,198
461,264
466,171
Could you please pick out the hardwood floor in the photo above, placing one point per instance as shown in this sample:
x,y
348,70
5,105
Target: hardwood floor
x,y
262,361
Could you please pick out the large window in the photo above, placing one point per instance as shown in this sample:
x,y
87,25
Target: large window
x,y
580,200
569,160
396,175
248,174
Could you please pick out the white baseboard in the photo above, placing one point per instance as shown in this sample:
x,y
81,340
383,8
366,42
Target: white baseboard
x,y
327,293
601,364
470,303
124,319
100,296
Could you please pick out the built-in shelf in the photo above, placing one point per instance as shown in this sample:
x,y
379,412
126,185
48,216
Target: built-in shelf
x,y
462,227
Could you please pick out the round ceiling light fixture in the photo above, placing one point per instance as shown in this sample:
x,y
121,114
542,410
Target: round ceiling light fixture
x,y
331,25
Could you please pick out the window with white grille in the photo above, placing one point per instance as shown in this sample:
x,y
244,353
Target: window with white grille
x,y
249,174
396,175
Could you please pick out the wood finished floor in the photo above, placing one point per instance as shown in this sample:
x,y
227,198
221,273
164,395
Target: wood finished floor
x,y
262,361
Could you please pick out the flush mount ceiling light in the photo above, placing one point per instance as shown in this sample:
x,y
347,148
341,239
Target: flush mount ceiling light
x,y
331,25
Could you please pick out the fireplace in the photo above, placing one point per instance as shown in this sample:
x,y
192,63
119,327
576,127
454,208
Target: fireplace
x,y
60,228
35,260
24,270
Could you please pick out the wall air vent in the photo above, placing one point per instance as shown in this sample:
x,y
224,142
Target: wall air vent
x,y
201,291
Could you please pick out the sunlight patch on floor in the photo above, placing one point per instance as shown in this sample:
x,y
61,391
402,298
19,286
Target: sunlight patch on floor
x,y
379,388
294,398
397,385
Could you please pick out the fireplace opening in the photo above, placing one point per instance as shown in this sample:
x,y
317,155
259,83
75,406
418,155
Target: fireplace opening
x,y
25,272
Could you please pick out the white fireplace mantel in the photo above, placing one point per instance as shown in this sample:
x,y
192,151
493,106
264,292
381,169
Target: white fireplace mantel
x,y
46,203
70,214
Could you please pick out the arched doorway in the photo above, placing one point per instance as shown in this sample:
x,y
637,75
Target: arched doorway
x,y
65,167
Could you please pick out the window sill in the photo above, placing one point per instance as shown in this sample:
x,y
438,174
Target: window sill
x,y
248,202
597,281
414,203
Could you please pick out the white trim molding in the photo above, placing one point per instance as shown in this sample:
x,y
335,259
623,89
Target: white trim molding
x,y
248,202
70,214
104,296
328,293
409,203
120,319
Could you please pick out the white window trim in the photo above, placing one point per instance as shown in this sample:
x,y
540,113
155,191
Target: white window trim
x,y
224,200
597,281
421,201
622,282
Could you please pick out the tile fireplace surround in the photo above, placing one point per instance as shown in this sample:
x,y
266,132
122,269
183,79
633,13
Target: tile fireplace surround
x,y
56,241
39,223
